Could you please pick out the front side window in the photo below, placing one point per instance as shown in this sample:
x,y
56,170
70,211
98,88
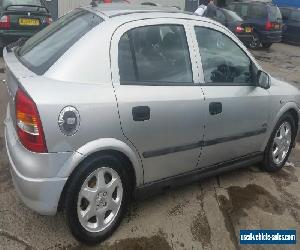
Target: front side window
x,y
223,61
155,55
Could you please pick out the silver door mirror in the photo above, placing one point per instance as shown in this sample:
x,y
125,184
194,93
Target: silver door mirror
x,y
263,80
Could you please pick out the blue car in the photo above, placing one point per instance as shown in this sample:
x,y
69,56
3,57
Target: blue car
x,y
291,20
266,20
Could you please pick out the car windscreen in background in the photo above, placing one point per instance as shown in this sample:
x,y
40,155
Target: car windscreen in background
x,y
41,51
275,14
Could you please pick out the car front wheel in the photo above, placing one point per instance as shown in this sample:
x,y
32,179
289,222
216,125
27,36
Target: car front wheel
x,y
96,199
280,144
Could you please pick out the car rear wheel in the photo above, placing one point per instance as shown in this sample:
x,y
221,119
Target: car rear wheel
x,y
280,144
266,45
255,43
96,199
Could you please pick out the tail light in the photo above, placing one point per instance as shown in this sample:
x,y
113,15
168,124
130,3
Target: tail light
x,y
5,22
107,1
239,29
268,25
48,20
29,125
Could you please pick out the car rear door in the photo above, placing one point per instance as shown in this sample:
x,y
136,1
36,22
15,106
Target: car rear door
x,y
161,109
236,110
293,28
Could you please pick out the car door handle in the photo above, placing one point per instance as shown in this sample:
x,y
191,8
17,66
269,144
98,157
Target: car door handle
x,y
141,113
215,108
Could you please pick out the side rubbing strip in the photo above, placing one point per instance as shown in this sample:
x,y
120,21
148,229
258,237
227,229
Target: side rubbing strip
x,y
200,144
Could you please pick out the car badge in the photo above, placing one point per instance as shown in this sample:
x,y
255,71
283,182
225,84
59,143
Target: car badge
x,y
28,14
69,121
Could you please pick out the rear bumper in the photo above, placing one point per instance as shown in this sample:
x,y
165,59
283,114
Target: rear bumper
x,y
246,39
271,36
41,194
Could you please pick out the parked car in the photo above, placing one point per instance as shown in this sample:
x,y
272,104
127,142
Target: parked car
x,y
265,18
291,20
167,98
21,19
235,23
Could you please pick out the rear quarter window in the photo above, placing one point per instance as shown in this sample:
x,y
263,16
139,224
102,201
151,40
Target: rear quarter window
x,y
41,51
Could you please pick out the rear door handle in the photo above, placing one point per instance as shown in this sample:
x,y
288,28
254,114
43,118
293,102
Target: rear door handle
x,y
141,113
215,108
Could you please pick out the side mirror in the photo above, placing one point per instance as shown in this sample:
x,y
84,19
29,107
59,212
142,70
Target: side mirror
x,y
263,80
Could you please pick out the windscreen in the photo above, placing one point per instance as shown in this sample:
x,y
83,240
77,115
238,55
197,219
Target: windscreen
x,y
233,16
41,51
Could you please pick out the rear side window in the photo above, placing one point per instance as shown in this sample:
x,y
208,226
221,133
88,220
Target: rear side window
x,y
155,55
41,51
274,14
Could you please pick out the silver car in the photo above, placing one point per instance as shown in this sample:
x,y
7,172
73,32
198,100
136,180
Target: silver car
x,y
114,101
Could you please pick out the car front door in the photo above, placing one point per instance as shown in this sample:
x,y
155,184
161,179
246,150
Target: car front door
x,y
161,109
236,109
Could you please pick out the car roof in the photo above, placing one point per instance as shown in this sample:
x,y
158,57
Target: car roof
x,y
119,9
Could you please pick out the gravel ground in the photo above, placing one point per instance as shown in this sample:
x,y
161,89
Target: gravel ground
x,y
203,215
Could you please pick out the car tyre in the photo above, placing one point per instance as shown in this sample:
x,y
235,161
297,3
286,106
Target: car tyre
x,y
97,198
256,42
266,45
280,144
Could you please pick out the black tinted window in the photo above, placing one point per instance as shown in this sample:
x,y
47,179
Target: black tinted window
x,y
46,47
223,61
258,11
155,55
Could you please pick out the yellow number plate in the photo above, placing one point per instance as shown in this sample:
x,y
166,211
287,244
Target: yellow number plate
x,y
248,29
29,22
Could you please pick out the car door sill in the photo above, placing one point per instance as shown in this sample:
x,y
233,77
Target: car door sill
x,y
159,186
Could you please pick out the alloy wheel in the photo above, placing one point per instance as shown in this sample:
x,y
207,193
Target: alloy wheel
x,y
99,199
281,143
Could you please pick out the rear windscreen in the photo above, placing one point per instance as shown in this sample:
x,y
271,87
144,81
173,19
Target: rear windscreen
x,y
274,14
41,51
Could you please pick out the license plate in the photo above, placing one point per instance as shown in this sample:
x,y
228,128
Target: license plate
x,y
248,30
29,22
277,26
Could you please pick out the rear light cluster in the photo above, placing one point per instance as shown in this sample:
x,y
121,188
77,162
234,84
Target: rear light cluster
x,y
268,25
5,22
239,29
29,125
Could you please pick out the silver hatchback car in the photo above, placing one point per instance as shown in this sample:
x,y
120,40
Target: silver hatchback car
x,y
114,101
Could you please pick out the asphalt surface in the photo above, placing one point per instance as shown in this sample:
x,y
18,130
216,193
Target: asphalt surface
x,y
203,215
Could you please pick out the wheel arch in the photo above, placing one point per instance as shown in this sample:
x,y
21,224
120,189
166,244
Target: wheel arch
x,y
290,107
105,146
